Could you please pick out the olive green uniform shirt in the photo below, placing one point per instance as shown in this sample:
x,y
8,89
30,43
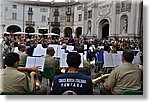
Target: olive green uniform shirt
x,y
51,62
125,76
13,81
23,58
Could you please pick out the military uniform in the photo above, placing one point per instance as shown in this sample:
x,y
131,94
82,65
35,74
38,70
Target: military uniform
x,y
13,81
86,68
51,62
23,58
125,76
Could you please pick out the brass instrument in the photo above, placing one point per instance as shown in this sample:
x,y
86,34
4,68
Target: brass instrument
x,y
99,79
37,82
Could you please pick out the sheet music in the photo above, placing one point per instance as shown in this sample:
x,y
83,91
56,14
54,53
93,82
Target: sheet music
x,y
30,62
40,61
63,59
117,59
119,52
70,48
60,52
39,52
36,52
112,60
43,51
56,51
108,60
136,60
81,65
35,61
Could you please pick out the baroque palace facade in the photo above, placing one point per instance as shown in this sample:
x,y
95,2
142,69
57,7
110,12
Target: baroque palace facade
x,y
88,18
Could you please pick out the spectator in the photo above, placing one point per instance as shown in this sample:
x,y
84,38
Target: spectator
x,y
71,40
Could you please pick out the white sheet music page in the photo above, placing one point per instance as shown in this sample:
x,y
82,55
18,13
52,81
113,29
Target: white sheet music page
x,y
37,52
70,48
117,59
63,59
81,65
108,60
43,51
136,60
119,52
40,61
30,62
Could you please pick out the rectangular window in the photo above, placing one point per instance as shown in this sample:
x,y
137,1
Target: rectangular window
x,y
90,14
68,18
125,7
79,8
30,9
14,16
118,9
14,6
43,18
80,17
43,10
85,14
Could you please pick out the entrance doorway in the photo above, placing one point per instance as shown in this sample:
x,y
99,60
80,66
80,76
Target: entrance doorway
x,y
56,31
68,32
13,29
78,32
104,29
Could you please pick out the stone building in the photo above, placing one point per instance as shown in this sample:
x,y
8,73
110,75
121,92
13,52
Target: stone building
x,y
88,18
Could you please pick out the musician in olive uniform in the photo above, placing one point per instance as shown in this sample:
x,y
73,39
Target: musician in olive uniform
x,y
125,76
13,80
22,55
50,61
16,82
